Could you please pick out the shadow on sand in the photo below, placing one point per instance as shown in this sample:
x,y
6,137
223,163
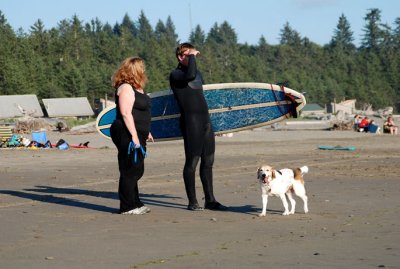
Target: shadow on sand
x,y
69,197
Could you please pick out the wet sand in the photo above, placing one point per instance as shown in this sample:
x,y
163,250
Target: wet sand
x,y
58,208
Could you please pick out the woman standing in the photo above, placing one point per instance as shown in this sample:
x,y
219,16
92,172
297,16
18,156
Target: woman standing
x,y
130,131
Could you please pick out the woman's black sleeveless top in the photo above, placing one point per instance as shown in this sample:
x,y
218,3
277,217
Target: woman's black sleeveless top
x,y
141,112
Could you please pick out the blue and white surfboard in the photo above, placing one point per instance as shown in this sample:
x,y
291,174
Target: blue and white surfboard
x,y
233,107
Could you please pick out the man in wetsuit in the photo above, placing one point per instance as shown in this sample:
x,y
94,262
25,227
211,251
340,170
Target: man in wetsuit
x,y
199,141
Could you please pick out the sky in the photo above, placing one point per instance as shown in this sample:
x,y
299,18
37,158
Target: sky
x,y
251,19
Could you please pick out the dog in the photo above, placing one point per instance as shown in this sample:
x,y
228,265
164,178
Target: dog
x,y
282,183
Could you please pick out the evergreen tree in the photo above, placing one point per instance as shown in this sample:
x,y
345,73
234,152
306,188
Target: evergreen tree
x,y
7,45
160,30
289,36
129,25
39,38
197,37
387,38
396,34
373,33
343,36
145,31
170,34
227,34
166,33
222,59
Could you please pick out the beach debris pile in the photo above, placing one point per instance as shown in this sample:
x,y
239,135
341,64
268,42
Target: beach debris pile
x,y
26,124
342,126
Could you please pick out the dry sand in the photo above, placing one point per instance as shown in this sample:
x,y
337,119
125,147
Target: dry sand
x,y
58,208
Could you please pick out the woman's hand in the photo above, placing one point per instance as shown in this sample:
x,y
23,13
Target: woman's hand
x,y
135,140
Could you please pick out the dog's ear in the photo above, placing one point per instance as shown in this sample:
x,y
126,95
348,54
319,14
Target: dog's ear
x,y
273,174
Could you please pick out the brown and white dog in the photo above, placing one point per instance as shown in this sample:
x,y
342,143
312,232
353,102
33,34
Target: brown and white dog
x,y
282,183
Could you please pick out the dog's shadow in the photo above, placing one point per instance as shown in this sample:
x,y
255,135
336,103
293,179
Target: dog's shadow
x,y
252,210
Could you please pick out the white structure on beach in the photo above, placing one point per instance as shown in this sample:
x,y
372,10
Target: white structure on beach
x,y
68,107
347,107
12,106
313,111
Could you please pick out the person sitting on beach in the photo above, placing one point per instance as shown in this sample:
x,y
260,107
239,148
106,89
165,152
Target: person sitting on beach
x,y
357,120
389,127
363,125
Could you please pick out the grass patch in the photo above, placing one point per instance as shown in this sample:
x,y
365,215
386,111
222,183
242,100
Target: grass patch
x,y
71,122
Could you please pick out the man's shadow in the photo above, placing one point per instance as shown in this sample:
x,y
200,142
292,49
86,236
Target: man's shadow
x,y
54,195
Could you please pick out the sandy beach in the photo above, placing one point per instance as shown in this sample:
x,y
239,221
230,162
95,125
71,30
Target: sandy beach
x,y
58,209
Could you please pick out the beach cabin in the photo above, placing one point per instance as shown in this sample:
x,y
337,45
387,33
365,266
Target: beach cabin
x,y
347,107
12,106
78,107
100,104
313,111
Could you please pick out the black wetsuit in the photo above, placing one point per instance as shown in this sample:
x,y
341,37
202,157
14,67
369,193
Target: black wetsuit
x,y
199,140
131,172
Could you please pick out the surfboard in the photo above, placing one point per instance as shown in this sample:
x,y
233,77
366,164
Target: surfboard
x,y
232,106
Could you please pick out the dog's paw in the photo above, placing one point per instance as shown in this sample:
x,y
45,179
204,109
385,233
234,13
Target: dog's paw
x,y
262,214
286,213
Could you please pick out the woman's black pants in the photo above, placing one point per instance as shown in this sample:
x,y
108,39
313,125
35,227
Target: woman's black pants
x,y
130,172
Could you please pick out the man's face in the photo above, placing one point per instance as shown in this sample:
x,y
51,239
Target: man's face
x,y
183,58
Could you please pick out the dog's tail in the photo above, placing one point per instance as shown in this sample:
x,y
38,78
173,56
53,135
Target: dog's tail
x,y
299,172
304,169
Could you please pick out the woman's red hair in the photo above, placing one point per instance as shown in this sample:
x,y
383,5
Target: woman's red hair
x,y
131,71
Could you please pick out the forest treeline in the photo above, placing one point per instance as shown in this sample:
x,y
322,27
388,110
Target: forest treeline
x,y
78,59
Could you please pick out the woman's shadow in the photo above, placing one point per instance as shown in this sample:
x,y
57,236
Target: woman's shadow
x,y
56,195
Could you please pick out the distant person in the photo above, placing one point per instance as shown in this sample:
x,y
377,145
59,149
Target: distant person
x,y
363,125
130,131
199,142
389,127
356,123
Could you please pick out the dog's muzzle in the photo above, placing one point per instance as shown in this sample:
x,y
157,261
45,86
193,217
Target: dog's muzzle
x,y
264,179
